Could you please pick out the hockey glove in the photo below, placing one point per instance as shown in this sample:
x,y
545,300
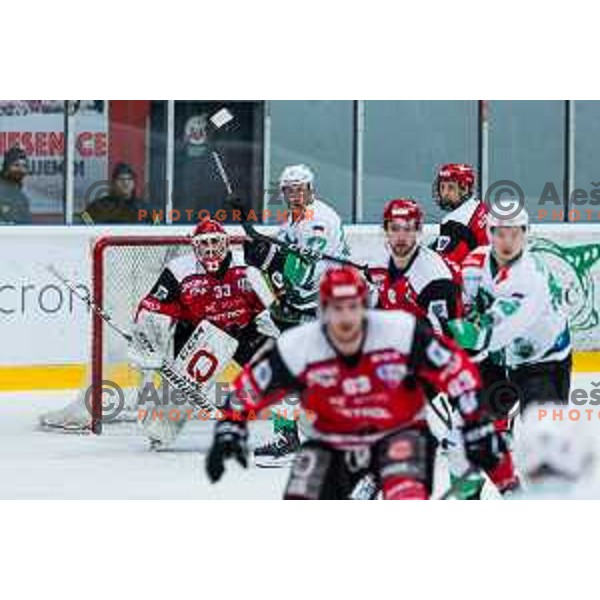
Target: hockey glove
x,y
265,325
484,446
150,341
469,335
230,441
234,202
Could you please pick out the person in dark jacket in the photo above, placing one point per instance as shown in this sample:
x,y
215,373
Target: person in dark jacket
x,y
14,203
121,204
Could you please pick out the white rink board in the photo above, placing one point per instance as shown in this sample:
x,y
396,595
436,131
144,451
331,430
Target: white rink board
x,y
46,325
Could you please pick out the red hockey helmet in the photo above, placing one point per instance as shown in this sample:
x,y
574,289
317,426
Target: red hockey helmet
x,y
405,210
211,244
461,174
342,283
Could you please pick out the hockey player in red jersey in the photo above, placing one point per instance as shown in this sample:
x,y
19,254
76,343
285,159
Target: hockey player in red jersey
x,y
419,280
209,285
464,227
416,278
205,285
364,375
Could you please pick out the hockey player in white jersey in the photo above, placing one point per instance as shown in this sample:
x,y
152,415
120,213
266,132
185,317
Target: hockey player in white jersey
x,y
517,313
312,224
516,322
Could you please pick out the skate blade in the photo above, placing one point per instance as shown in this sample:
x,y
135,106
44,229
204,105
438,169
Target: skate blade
x,y
64,428
271,462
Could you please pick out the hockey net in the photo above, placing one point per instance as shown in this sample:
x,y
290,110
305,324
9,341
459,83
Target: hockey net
x,y
124,269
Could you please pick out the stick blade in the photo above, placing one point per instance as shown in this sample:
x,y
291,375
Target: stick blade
x,y
221,118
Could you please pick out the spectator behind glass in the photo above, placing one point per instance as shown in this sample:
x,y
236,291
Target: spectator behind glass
x,y
14,203
120,205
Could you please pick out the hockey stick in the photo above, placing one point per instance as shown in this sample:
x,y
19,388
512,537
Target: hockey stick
x,y
192,392
445,418
307,253
224,116
218,120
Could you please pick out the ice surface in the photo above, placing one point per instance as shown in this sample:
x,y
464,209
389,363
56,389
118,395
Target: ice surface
x,y
117,464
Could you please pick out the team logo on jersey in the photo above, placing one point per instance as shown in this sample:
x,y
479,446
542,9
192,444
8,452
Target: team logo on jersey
x,y
391,374
442,243
392,296
439,309
194,287
385,356
161,293
262,374
323,376
356,385
437,354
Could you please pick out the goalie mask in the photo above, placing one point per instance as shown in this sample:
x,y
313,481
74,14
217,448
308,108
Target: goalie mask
x,y
211,244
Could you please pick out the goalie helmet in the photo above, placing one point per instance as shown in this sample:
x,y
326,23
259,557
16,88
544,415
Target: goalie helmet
x,y
546,447
342,283
405,210
211,244
461,174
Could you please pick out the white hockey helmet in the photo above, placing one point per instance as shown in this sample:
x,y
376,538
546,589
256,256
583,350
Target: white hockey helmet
x,y
520,219
561,449
296,175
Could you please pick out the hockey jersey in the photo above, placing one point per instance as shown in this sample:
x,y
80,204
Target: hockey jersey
x,y
462,230
427,287
522,302
321,230
186,292
357,399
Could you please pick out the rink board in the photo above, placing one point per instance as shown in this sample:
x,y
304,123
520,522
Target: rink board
x,y
47,329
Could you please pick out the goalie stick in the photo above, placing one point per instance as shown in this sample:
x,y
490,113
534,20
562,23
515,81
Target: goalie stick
x,y
193,393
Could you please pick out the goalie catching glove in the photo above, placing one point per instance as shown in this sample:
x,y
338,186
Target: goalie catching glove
x,y
150,341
